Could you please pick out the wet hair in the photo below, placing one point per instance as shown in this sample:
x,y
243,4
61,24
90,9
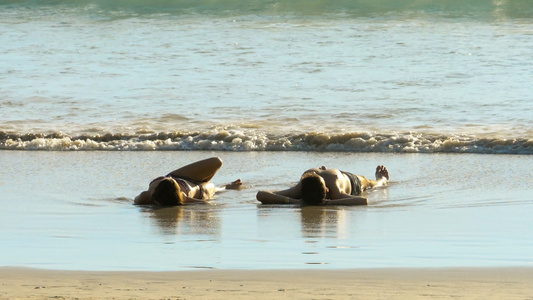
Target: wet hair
x,y
313,189
167,193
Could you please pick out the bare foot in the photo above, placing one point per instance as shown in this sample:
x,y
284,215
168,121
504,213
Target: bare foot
x,y
381,171
235,185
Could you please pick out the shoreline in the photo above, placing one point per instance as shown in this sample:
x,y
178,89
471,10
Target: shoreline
x,y
482,283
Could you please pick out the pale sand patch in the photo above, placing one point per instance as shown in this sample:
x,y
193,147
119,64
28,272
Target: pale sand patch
x,y
457,283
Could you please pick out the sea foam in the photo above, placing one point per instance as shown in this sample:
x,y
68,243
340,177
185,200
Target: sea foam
x,y
237,140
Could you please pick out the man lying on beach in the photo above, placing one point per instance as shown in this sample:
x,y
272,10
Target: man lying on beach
x,y
186,185
322,186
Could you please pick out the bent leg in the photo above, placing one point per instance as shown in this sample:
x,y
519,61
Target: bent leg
x,y
201,171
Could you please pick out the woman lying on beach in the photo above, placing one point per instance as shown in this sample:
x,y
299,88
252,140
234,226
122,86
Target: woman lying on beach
x,y
188,184
322,186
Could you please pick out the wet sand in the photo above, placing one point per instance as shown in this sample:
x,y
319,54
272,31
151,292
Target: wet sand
x,y
441,211
459,283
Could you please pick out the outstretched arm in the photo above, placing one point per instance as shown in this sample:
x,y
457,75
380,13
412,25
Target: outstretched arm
x,y
266,197
348,200
289,196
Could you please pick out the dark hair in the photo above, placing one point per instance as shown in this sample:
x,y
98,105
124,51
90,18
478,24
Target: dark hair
x,y
167,193
313,189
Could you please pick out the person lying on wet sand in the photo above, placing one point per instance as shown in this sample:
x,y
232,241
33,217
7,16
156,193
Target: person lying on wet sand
x,y
186,185
323,186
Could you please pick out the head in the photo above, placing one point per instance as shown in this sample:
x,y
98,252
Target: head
x,y
167,193
314,189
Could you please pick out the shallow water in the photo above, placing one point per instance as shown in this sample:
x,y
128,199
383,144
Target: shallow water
x,y
73,210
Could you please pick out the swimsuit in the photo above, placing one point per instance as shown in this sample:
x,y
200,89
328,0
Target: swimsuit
x,y
184,185
355,182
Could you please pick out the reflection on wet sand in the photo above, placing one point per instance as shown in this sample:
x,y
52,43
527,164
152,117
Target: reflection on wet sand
x,y
320,222
314,221
179,220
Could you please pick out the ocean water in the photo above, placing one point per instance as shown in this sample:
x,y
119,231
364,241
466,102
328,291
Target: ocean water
x,y
115,93
397,76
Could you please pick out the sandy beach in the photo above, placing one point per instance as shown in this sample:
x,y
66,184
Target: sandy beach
x,y
458,283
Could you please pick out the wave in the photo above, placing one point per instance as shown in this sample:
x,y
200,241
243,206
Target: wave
x,y
238,140
464,8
